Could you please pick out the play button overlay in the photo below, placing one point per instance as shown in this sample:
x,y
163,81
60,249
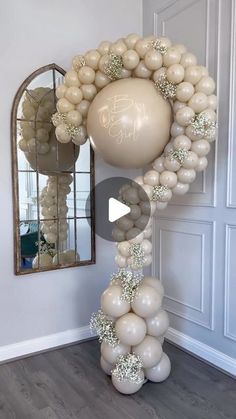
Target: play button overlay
x,y
117,206
116,210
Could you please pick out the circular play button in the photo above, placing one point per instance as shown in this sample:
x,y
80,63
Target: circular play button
x,y
122,209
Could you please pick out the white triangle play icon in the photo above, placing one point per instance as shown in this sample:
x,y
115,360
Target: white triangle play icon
x,y
116,209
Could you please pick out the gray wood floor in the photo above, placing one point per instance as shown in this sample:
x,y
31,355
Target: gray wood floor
x,y
68,383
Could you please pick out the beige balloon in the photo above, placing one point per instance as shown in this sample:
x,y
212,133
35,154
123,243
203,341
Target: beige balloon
x,y
111,353
126,386
129,123
149,350
159,372
106,367
155,283
147,301
158,325
61,157
111,302
130,329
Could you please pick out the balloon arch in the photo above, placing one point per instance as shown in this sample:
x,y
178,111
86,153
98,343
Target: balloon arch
x,y
139,100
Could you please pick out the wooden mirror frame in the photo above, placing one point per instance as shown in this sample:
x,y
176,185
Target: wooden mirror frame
x,y
15,180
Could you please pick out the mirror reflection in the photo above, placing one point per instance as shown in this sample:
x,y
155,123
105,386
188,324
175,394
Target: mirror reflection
x,y
54,216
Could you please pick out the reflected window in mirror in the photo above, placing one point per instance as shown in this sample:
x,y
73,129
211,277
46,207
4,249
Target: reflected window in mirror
x,y
53,183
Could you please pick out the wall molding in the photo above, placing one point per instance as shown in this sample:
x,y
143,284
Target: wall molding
x,y
228,230
209,324
44,343
203,351
231,124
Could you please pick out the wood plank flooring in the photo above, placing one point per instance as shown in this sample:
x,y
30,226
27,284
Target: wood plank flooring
x,y
68,383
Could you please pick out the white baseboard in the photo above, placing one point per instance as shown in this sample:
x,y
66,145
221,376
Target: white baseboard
x,y
207,353
44,343
32,346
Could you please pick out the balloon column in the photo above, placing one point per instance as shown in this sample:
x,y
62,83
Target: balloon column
x,y
139,100
49,158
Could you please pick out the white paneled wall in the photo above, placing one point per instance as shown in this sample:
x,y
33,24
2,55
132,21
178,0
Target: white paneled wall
x,y
195,237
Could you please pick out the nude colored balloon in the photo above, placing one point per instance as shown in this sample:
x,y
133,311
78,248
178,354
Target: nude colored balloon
x,y
122,115
42,261
106,367
158,325
159,372
130,329
111,302
149,350
147,301
111,353
155,283
126,386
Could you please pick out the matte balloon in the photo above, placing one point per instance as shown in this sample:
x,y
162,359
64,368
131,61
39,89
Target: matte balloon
x,y
159,372
111,353
106,367
158,325
122,115
111,302
147,301
126,386
155,283
130,329
149,350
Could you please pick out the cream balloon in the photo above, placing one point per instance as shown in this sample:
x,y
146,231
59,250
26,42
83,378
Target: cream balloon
x,y
130,329
106,367
122,115
155,283
158,325
42,261
111,353
126,386
111,302
149,350
159,372
147,301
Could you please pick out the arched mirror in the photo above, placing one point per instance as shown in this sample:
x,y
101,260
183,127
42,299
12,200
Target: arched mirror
x,y
53,206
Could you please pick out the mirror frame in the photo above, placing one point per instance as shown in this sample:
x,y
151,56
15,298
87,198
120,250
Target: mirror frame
x,y
15,186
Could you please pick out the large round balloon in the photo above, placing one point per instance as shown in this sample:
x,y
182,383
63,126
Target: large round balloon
x,y
126,386
130,329
149,350
129,123
112,303
159,372
111,353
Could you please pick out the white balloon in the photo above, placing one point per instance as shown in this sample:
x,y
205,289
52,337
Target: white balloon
x,y
130,329
159,372
149,350
155,283
106,367
126,386
158,325
147,301
111,302
111,353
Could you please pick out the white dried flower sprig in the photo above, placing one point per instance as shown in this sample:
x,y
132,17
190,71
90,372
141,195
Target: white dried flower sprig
x,y
129,282
202,125
114,66
128,368
137,254
104,327
180,154
165,87
158,192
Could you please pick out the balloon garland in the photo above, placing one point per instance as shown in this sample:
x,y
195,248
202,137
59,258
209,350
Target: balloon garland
x,y
131,323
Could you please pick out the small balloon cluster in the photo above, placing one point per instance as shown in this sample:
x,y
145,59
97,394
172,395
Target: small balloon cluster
x,y
54,227
37,106
132,332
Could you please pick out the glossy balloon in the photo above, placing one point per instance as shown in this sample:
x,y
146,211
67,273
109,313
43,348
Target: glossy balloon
x,y
122,115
